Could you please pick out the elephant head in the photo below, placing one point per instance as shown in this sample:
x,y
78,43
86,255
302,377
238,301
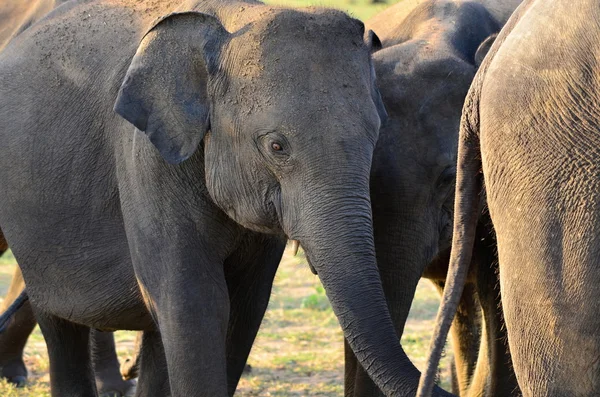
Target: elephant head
x,y
288,114
424,78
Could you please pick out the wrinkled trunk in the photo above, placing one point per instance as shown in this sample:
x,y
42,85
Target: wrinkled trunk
x,y
337,236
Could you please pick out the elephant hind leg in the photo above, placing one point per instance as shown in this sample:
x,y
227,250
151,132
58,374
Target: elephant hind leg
x,y
14,338
465,332
70,362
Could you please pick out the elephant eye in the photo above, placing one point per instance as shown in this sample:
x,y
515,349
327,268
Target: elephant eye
x,y
273,145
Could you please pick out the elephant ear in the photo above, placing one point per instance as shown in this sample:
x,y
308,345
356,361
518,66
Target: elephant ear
x,y
164,93
373,41
374,44
484,48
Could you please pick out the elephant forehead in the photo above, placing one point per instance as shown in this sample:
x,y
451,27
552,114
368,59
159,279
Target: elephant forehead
x,y
310,79
300,42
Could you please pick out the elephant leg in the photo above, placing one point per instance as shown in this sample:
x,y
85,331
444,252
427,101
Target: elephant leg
x,y
178,260
154,378
465,334
191,307
106,366
69,353
494,374
249,273
13,340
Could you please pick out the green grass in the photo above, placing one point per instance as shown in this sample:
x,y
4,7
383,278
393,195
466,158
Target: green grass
x,y
299,349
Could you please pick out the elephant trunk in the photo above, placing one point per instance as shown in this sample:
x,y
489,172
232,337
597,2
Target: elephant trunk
x,y
338,242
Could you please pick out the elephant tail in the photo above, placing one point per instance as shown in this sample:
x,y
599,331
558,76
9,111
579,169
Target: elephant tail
x,y
12,309
466,214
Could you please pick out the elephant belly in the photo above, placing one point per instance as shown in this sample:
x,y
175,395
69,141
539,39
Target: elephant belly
x,y
87,280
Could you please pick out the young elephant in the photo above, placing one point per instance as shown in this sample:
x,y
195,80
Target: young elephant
x,y
284,109
429,57
530,123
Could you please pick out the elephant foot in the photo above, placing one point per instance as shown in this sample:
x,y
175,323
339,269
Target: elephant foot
x,y
14,372
18,381
123,389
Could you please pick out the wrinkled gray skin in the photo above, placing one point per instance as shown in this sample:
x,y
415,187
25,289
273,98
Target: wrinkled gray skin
x,y
15,18
531,124
430,55
269,117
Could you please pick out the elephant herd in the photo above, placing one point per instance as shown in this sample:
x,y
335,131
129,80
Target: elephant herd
x,y
155,156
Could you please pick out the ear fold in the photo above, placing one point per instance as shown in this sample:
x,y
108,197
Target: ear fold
x,y
374,44
484,48
164,93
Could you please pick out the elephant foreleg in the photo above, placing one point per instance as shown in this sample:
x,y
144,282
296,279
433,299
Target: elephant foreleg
x,y
249,273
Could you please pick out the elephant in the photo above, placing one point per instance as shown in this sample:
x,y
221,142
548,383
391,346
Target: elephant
x,y
429,57
16,17
161,153
529,142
